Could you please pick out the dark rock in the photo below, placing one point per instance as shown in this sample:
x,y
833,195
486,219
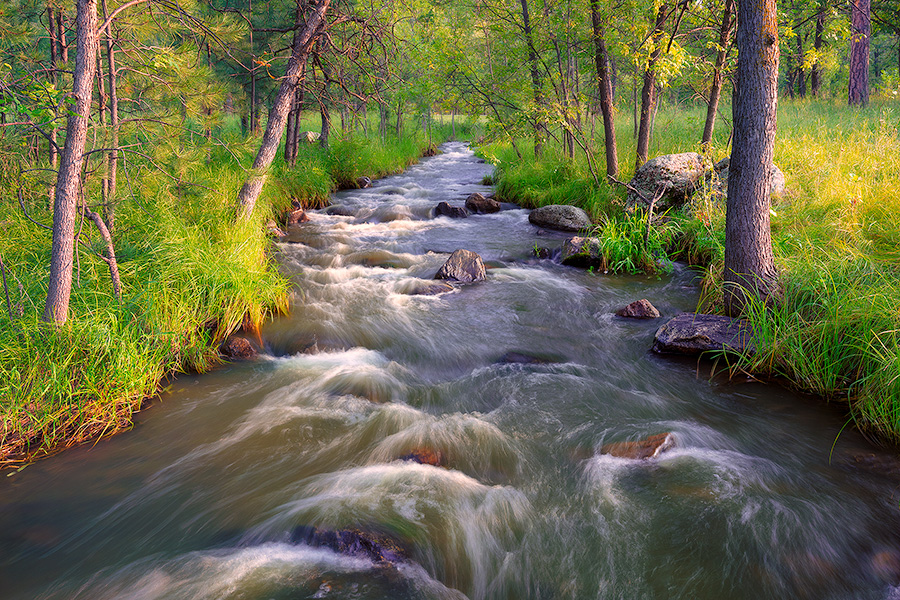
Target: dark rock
x,y
721,182
444,209
651,447
639,309
690,333
425,456
886,566
339,211
478,203
462,266
363,182
237,348
677,176
273,229
422,287
545,253
376,547
431,150
583,252
294,217
561,217
521,358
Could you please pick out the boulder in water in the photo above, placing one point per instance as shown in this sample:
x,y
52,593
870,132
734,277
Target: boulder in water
x,y
651,447
479,203
675,176
363,182
690,333
357,543
422,287
295,217
339,210
583,252
463,266
425,456
272,229
522,358
561,217
237,348
639,309
444,209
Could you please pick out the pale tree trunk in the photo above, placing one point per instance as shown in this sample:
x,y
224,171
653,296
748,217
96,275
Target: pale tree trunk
x,y
749,262
302,44
601,57
860,26
68,181
110,257
648,91
715,88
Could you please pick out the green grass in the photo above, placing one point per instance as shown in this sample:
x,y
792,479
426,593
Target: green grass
x,y
836,237
191,275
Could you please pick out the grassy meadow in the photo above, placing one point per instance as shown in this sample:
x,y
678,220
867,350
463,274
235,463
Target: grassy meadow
x,y
836,236
191,274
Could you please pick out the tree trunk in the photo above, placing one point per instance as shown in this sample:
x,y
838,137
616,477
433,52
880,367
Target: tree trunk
x,y
860,25
324,108
601,58
715,88
302,44
110,251
749,262
815,77
535,80
51,29
801,74
68,181
648,91
112,158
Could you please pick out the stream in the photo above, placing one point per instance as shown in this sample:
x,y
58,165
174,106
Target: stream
x,y
209,496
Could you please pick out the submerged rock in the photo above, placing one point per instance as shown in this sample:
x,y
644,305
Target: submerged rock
x,y
295,217
358,543
651,447
444,209
582,252
690,333
339,210
425,456
540,252
423,287
463,266
237,348
521,358
676,176
363,182
561,217
639,309
478,203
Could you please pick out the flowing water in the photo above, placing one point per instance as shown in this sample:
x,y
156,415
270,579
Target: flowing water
x,y
204,498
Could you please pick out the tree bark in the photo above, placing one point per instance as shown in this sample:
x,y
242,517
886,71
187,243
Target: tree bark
x,y
815,77
112,157
715,88
860,26
601,58
749,261
535,80
110,251
68,181
51,29
302,44
648,91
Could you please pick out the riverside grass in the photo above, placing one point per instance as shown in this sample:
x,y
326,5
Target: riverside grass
x,y
835,233
191,275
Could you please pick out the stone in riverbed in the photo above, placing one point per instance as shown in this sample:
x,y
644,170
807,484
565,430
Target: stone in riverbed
x,y
237,348
295,217
583,252
425,456
357,543
478,203
339,210
639,309
561,217
651,447
521,358
422,287
690,333
363,182
463,266
444,209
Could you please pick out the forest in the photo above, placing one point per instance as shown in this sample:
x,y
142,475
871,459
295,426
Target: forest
x,y
148,147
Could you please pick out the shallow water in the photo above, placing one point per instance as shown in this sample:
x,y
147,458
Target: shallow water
x,y
202,498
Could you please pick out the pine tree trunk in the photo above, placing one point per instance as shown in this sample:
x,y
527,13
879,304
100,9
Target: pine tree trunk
x,y
815,77
648,91
68,181
601,58
749,262
112,158
860,26
302,44
715,88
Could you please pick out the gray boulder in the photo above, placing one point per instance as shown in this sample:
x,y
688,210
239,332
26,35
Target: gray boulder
x,y
340,210
582,252
478,203
444,209
363,182
562,217
677,176
690,333
779,185
462,266
639,309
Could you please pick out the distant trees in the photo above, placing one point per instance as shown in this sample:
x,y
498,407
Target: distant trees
x,y
749,261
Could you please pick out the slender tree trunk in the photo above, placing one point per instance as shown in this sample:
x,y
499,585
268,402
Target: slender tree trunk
x,y
51,29
815,77
715,88
110,251
302,44
112,160
801,74
61,38
601,58
539,128
749,262
68,181
860,26
648,91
